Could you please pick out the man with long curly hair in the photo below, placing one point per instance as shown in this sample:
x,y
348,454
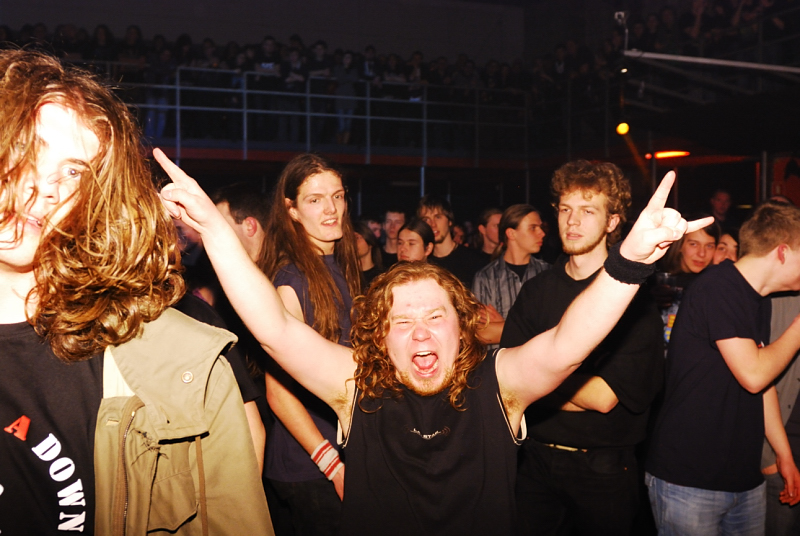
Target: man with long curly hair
x,y
431,422
119,415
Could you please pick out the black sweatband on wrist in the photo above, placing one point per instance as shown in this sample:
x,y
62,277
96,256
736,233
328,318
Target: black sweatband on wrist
x,y
624,270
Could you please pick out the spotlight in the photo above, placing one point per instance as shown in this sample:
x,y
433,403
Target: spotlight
x,y
667,154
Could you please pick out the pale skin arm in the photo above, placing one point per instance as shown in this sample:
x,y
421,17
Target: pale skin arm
x,y
776,435
285,405
257,432
321,366
755,368
530,371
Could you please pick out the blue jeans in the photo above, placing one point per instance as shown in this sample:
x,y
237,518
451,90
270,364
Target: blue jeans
x,y
681,510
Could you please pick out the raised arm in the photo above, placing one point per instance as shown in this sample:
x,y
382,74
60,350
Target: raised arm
x,y
293,344
534,369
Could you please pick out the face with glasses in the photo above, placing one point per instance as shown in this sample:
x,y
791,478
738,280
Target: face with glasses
x,y
65,148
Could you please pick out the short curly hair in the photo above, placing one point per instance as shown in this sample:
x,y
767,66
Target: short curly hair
x,y
375,373
600,177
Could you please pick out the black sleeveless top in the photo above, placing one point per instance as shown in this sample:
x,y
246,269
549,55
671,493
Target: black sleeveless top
x,y
418,466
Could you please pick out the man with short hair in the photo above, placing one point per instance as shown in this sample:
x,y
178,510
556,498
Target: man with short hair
x,y
720,208
461,261
246,212
392,222
703,467
431,422
578,468
521,236
488,233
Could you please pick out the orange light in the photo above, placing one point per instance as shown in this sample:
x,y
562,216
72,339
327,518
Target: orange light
x,y
671,154
623,128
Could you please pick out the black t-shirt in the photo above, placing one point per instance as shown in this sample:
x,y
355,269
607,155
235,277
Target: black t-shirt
x,y
48,411
368,275
710,430
418,466
462,263
630,360
389,259
518,269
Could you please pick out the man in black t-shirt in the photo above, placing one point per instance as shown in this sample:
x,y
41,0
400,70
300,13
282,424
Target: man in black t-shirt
x,y
461,261
415,332
578,467
393,221
703,464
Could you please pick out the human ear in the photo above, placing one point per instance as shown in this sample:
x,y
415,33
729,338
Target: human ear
x,y
613,221
781,250
250,226
290,208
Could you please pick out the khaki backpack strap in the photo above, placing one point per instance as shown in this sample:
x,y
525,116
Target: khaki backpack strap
x,y
202,477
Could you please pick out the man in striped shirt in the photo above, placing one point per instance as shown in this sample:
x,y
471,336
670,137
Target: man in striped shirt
x,y
521,236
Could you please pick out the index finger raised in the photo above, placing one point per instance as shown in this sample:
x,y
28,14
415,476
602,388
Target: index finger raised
x,y
175,173
660,196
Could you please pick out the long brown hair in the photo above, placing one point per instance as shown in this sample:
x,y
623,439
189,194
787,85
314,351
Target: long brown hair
x,y
375,372
112,263
290,244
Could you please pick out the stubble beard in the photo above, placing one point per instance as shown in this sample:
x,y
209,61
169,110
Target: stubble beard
x,y
427,387
581,249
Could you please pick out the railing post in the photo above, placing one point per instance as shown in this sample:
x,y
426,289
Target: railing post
x,y
308,114
178,116
607,119
569,119
526,149
477,127
760,56
244,116
368,157
424,125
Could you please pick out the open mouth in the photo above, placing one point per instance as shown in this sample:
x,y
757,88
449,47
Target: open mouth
x,y
425,363
36,223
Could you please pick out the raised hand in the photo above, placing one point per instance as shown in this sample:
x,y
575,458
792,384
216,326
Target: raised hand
x,y
184,199
657,227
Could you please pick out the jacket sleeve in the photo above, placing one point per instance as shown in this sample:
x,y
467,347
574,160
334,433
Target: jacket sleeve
x,y
233,488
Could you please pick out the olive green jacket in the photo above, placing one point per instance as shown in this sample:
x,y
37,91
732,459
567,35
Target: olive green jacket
x,y
173,451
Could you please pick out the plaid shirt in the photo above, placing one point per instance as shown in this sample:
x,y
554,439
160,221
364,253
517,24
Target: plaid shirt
x,y
497,285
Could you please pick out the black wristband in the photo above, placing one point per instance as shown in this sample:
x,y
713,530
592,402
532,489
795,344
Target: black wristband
x,y
624,270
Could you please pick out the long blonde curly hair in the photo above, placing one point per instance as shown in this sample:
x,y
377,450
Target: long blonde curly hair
x,y
375,373
113,262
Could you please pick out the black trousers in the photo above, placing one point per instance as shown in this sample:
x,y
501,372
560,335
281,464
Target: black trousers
x,y
315,507
590,493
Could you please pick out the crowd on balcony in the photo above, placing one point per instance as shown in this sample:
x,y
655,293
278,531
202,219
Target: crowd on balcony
x,y
721,28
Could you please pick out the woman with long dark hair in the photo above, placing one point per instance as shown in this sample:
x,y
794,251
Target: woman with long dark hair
x,y
311,259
